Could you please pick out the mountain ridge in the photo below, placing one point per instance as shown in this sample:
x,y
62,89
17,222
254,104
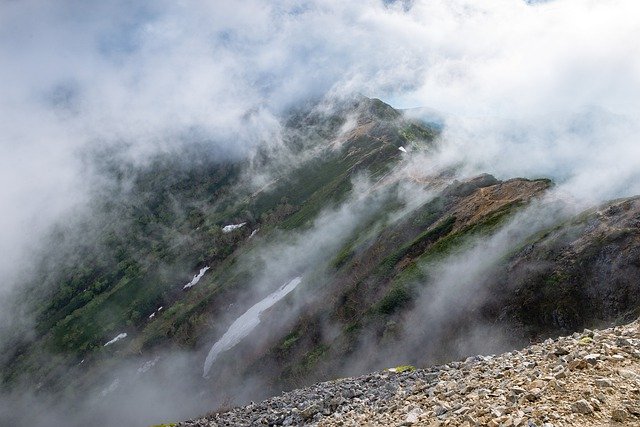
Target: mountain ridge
x,y
397,266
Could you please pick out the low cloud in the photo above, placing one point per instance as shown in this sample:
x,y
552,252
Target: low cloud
x,y
516,80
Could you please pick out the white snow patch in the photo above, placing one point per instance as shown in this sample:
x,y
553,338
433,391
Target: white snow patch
x,y
112,387
148,365
246,323
195,279
152,315
160,308
402,149
117,338
253,233
229,228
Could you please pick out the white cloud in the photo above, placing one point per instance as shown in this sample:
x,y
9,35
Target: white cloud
x,y
513,78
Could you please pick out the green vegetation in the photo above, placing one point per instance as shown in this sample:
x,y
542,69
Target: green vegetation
x,y
485,226
397,297
343,256
585,341
158,223
290,340
313,357
415,132
403,368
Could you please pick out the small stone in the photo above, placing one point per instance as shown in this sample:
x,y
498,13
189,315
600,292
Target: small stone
x,y
560,351
533,395
578,364
412,417
603,382
440,410
582,407
628,374
518,390
619,415
560,375
622,342
462,411
592,359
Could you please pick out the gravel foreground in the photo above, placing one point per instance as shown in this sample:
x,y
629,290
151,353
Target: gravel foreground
x,y
586,379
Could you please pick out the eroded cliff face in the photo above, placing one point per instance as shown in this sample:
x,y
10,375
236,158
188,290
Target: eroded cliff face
x,y
583,272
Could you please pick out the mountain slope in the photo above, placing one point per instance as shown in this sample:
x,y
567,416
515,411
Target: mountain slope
x,y
586,379
336,255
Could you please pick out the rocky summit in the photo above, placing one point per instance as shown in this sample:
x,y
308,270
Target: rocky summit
x,y
585,379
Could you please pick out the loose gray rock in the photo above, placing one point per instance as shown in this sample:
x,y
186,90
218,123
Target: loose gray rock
x,y
582,407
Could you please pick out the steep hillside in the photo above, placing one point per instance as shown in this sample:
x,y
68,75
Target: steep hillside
x,y
580,273
122,267
319,256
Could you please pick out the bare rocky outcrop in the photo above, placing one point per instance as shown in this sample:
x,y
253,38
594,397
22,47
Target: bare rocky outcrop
x,y
581,273
586,379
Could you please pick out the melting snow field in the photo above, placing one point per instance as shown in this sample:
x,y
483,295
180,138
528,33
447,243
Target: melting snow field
x,y
195,279
148,365
246,323
152,315
402,149
231,227
112,387
117,338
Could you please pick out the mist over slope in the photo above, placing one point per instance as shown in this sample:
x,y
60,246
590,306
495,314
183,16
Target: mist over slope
x,y
195,282
168,167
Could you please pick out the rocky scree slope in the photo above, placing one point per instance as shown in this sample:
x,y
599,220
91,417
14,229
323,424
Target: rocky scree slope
x,y
585,379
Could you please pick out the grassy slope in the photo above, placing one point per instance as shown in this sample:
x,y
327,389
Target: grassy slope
x,y
167,223
377,279
162,222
